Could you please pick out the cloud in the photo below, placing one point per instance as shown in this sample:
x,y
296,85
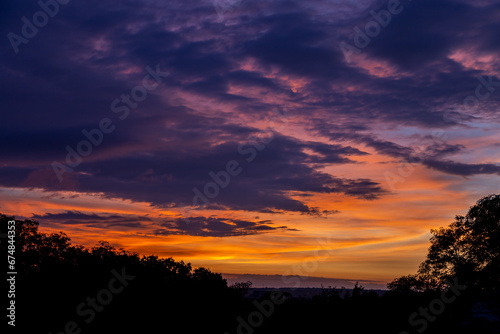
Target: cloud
x,y
216,227
431,155
166,176
456,168
92,220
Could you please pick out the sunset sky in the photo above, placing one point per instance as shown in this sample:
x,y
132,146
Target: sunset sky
x,y
340,132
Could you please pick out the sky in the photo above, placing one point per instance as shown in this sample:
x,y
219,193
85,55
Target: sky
x,y
309,138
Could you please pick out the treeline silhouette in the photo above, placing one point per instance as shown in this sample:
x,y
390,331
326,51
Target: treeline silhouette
x,y
66,288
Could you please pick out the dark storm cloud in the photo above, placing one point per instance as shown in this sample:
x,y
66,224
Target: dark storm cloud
x,y
91,220
421,32
456,168
166,176
64,80
291,47
443,149
427,31
216,227
197,226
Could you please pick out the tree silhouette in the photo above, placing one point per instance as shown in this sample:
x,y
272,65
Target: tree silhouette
x,y
54,277
469,248
241,287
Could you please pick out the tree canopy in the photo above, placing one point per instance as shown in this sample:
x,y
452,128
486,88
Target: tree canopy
x,y
469,248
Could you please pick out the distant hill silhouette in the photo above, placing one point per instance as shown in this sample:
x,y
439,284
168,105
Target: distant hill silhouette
x,y
304,293
287,281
